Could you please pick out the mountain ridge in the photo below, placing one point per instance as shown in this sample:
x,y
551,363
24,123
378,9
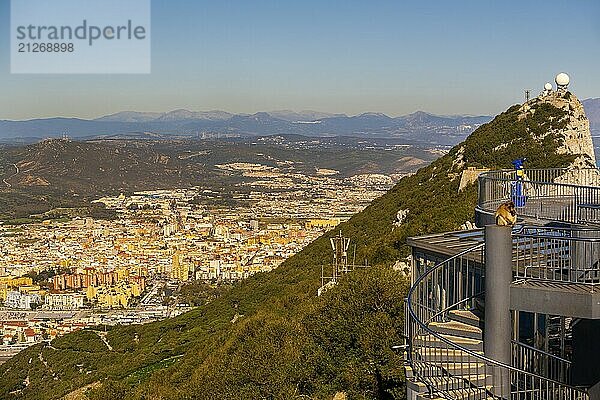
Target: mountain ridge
x,y
427,128
72,171
592,110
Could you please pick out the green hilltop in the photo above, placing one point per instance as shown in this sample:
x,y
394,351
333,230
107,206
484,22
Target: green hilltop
x,y
270,336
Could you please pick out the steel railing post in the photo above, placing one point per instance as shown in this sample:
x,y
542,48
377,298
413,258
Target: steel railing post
x,y
498,325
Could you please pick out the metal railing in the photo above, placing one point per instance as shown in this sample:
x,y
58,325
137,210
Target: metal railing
x,y
455,368
537,361
567,195
563,255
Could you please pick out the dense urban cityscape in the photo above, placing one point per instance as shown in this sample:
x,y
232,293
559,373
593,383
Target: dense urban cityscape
x,y
57,276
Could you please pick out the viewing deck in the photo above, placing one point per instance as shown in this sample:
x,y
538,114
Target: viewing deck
x,y
555,260
549,195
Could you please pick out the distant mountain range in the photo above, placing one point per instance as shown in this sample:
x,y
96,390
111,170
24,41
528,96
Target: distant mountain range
x,y
416,127
419,126
592,111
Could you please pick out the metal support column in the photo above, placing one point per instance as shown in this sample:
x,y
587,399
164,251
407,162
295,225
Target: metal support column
x,y
498,326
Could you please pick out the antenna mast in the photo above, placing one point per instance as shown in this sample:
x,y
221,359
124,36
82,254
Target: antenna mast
x,y
340,266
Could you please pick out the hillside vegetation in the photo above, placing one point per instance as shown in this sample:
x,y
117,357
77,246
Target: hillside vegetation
x,y
287,343
62,173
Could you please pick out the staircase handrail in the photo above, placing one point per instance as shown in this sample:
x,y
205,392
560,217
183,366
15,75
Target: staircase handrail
x,y
580,191
412,315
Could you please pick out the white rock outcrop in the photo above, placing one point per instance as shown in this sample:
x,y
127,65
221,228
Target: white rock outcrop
x,y
576,138
401,216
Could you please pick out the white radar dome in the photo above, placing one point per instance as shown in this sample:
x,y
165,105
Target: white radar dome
x,y
562,79
548,86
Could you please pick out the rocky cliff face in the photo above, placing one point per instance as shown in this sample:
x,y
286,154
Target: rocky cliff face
x,y
576,135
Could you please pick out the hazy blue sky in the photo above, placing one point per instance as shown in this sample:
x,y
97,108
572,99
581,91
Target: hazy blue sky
x,y
447,57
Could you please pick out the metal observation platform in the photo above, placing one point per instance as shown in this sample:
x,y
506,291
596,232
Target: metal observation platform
x,y
570,196
501,313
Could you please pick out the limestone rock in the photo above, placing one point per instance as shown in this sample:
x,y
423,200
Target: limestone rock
x,y
403,266
401,216
577,138
469,176
467,226
458,163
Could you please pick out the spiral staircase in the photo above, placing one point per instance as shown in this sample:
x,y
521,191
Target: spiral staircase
x,y
555,262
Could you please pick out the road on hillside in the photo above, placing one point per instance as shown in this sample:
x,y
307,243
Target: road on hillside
x,y
12,176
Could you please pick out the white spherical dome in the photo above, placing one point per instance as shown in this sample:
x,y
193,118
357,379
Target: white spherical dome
x,y
548,86
562,79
